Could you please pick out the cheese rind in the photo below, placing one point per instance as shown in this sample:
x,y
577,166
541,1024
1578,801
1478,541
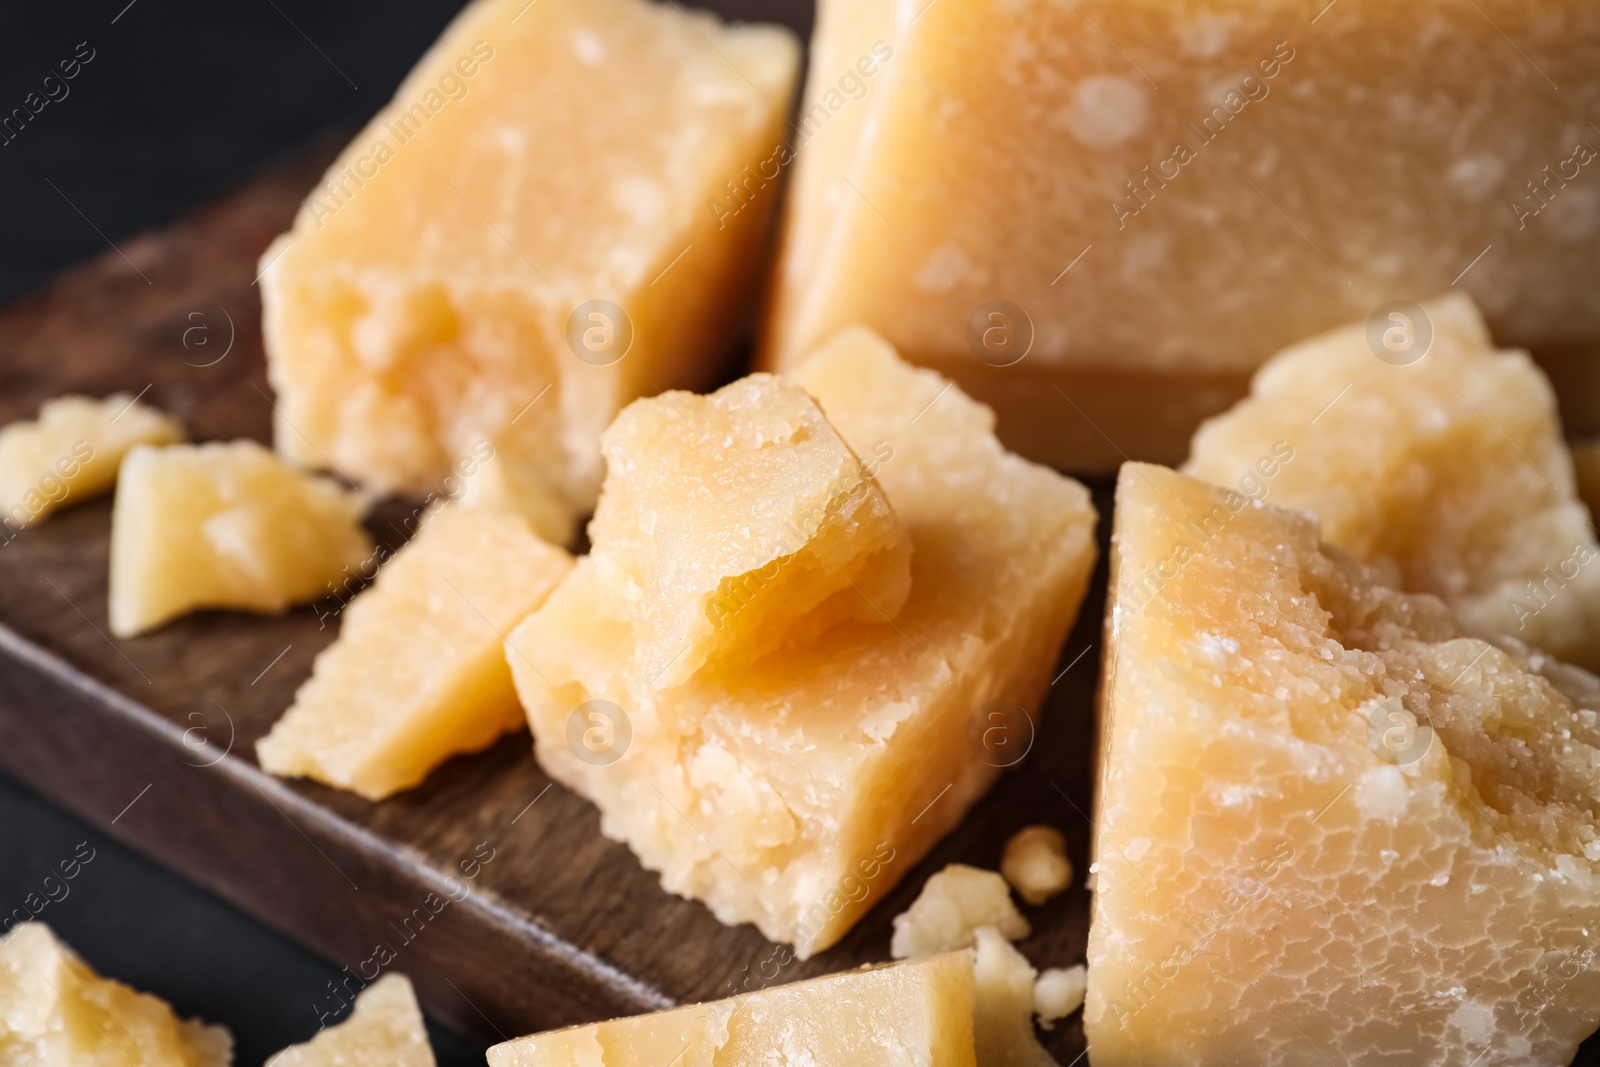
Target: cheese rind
x,y
418,672
1167,193
890,1016
1329,818
55,1010
385,1027
736,522
224,526
808,768
1445,461
519,243
71,452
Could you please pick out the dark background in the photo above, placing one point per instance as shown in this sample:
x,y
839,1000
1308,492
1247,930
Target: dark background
x,y
182,100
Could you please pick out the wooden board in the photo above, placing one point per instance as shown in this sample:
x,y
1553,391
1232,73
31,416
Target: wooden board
x,y
153,738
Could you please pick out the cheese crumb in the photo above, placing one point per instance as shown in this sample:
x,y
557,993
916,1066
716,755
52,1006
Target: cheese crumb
x,y
1036,863
1002,1019
951,906
1058,993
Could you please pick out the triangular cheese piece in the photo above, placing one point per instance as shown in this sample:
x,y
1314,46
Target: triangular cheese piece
x,y
385,1027
1332,824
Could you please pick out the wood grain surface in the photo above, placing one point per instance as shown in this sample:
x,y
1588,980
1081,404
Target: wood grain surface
x,y
153,737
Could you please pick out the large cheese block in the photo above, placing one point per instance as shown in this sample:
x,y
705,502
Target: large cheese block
x,y
736,522
520,243
790,791
1332,825
1444,460
55,1010
911,1013
385,1027
418,672
71,453
1135,202
225,525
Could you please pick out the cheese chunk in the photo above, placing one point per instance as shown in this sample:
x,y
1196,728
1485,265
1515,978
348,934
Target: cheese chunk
x,y
1058,992
914,1013
224,526
385,1027
826,767
71,453
1332,825
1101,216
952,905
1445,461
527,215
419,671
1036,864
736,522
1003,1024
55,1010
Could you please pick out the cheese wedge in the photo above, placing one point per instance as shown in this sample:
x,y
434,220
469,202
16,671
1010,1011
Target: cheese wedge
x,y
790,791
1101,216
917,1013
1443,459
1332,825
55,1010
736,522
419,671
224,526
71,453
385,1027
519,244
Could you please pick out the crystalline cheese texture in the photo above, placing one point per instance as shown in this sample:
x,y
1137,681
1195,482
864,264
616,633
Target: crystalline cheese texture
x,y
224,526
419,672
1331,825
1438,455
728,518
1162,194
384,1028
897,1016
809,767
71,453
519,244
54,1010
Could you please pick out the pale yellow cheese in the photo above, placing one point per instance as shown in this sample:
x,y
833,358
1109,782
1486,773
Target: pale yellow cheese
x,y
736,522
1058,992
439,288
71,453
792,791
384,1028
1331,825
1035,863
1162,193
54,1010
418,672
225,526
1003,1024
916,1014
953,904
1442,457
